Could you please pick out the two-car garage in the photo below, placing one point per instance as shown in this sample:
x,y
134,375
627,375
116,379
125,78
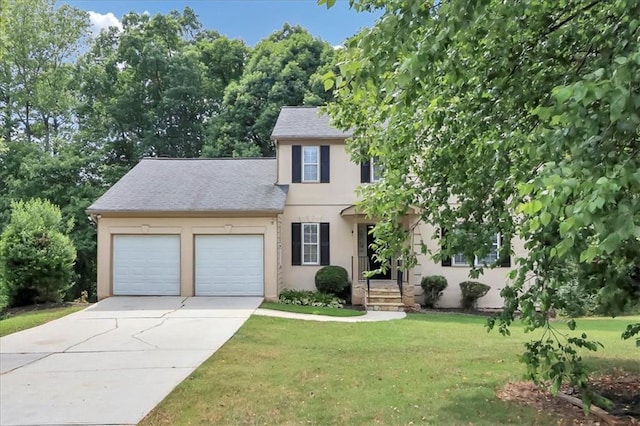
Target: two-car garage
x,y
224,265
191,227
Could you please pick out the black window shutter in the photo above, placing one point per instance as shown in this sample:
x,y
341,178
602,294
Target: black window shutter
x,y
505,252
324,164
296,244
365,172
296,164
324,243
447,260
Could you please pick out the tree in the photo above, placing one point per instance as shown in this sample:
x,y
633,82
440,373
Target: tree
x,y
71,180
36,79
36,255
530,126
282,70
151,89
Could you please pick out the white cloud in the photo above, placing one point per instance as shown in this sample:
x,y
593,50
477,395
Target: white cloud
x,y
338,47
101,21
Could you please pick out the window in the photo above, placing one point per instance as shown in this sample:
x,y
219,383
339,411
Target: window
x,y
310,244
376,171
492,257
310,164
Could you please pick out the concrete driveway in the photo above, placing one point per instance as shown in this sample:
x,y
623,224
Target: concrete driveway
x,y
113,362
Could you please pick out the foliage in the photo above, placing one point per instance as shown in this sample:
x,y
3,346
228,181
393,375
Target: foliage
x,y
36,76
433,287
69,180
309,298
546,103
283,69
332,279
150,89
36,255
471,292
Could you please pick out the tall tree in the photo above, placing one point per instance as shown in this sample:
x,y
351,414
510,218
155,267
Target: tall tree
x,y
35,73
282,70
531,127
150,89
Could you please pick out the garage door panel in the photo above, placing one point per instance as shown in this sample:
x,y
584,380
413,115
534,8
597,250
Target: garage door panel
x,y
229,265
146,265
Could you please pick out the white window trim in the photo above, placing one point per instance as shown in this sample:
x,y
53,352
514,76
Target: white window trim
x,y
373,177
317,243
476,261
317,164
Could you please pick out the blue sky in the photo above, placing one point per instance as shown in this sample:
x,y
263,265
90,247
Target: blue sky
x,y
250,20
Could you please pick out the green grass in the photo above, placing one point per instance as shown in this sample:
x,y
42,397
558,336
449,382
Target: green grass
x,y
315,310
27,320
426,369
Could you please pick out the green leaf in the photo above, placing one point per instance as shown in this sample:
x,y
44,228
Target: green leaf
x,y
589,254
531,207
611,243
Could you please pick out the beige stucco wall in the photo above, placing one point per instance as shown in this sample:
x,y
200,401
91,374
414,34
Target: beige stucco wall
x,y
342,243
187,228
318,202
496,278
343,180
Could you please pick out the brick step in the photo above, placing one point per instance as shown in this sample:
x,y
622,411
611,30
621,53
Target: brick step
x,y
385,307
372,300
384,291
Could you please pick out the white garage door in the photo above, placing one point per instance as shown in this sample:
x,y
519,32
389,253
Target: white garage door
x,y
229,265
146,265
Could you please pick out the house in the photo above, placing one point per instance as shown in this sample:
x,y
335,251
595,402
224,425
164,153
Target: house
x,y
222,227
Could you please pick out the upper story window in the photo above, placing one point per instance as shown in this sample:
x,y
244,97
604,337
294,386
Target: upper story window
x,y
371,170
310,164
376,170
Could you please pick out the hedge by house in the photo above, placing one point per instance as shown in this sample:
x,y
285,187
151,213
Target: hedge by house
x,y
433,287
471,292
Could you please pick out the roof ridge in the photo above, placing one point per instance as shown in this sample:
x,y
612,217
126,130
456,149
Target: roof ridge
x,y
207,159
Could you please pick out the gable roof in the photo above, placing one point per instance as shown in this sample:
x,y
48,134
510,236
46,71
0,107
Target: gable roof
x,y
196,185
305,123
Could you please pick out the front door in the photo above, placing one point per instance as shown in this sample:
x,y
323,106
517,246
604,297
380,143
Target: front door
x,y
373,263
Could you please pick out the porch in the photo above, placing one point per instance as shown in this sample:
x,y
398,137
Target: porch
x,y
373,287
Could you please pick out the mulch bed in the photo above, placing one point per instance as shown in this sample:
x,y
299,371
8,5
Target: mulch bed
x,y
622,388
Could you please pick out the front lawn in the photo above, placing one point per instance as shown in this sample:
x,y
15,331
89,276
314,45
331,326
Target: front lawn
x,y
24,320
315,310
426,369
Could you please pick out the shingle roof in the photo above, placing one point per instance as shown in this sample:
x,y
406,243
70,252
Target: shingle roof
x,y
305,122
196,185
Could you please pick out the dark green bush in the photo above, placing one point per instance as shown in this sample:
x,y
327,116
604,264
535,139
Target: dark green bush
x,y
333,280
36,255
309,298
471,292
433,286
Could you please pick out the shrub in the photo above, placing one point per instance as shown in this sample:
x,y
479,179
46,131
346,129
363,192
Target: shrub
x,y
471,292
433,287
333,280
309,298
36,257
